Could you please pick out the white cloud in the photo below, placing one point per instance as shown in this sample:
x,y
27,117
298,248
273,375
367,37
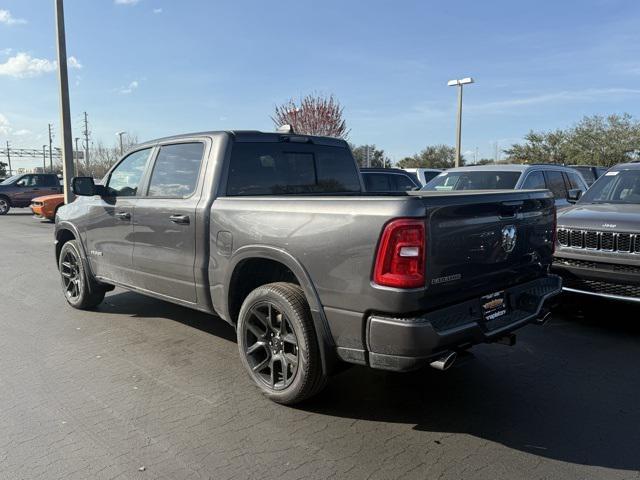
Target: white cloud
x,y
157,10
8,19
22,132
22,65
126,2
129,88
5,126
73,62
6,51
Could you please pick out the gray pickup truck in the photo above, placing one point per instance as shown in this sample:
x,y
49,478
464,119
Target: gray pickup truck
x,y
275,234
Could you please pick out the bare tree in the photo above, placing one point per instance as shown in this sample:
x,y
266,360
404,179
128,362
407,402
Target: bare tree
x,y
102,157
313,115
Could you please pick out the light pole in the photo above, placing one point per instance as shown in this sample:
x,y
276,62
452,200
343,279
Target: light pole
x,y
44,158
119,134
460,84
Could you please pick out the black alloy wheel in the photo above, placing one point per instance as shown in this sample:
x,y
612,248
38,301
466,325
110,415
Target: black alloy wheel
x,y
271,346
71,275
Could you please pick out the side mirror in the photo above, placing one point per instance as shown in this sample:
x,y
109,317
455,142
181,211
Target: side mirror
x,y
574,195
84,186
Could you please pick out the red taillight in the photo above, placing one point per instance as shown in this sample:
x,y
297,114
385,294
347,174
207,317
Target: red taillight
x,y
554,237
401,258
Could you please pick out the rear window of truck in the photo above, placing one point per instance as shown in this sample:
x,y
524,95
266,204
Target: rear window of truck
x,y
290,168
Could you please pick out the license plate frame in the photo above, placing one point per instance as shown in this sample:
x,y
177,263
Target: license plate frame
x,y
494,306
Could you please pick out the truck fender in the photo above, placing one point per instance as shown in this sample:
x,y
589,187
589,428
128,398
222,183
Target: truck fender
x,y
325,339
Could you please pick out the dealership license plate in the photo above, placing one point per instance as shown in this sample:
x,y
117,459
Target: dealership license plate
x,y
494,306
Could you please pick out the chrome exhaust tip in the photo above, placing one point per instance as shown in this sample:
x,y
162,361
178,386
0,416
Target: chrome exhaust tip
x,y
544,318
445,361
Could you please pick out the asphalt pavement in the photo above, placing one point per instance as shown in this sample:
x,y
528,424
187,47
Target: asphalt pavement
x,y
142,389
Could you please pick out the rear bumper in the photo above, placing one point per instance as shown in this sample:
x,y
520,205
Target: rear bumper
x,y
402,344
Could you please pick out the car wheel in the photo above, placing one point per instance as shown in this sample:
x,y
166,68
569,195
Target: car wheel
x,y
278,344
4,206
76,286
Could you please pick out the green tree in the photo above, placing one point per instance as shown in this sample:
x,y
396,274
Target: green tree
x,y
539,147
594,140
604,141
434,156
378,157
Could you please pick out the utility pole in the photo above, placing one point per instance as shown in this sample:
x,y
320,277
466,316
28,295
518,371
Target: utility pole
x,y
75,154
65,115
9,159
50,149
86,140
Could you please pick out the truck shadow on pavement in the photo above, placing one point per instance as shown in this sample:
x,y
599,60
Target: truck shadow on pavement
x,y
136,305
568,392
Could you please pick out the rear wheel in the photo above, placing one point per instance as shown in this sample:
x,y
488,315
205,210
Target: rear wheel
x,y
5,206
76,286
278,344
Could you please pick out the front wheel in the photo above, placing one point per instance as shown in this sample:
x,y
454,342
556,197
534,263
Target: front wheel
x,y
76,286
278,344
4,206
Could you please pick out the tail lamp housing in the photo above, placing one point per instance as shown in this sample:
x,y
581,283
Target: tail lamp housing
x,y
400,260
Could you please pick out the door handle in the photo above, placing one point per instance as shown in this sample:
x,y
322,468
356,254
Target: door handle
x,y
123,215
180,219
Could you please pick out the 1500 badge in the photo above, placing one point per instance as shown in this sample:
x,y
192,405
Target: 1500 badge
x,y
448,278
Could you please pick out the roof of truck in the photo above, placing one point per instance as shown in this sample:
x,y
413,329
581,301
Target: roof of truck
x,y
251,136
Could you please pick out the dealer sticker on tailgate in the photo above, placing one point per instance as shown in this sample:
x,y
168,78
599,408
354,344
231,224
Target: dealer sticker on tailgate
x,y
493,306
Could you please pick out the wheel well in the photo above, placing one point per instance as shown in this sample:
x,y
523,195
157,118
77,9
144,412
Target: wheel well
x,y
251,274
63,236
8,199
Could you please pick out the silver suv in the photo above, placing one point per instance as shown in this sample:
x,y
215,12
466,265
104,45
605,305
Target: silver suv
x,y
566,184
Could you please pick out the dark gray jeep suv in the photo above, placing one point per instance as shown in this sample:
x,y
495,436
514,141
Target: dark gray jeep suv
x,y
598,249
274,233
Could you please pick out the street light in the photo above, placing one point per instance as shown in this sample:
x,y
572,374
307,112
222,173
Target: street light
x,y
119,134
460,84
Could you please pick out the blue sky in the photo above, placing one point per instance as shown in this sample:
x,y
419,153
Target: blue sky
x,y
158,67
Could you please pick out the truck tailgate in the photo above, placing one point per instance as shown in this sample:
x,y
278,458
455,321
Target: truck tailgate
x,y
479,241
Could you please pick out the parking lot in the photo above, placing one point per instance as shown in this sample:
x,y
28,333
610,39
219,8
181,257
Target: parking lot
x,y
140,388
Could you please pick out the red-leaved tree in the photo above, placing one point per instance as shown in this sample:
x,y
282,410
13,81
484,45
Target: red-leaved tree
x,y
313,115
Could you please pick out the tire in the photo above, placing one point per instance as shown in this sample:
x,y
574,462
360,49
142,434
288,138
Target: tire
x,y
79,290
278,344
5,205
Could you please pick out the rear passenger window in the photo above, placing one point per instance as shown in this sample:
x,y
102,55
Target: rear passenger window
x,y
574,180
175,173
270,168
403,183
555,183
534,181
377,182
